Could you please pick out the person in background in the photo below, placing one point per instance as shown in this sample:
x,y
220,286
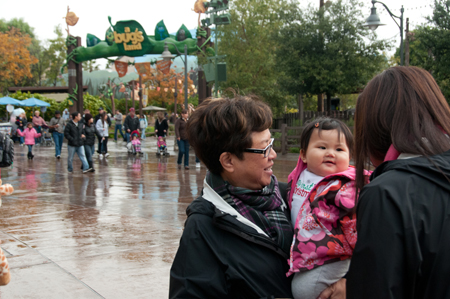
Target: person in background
x,y
161,125
86,111
21,122
57,125
182,139
102,128
38,122
66,115
143,125
74,135
118,126
97,117
131,124
30,135
90,131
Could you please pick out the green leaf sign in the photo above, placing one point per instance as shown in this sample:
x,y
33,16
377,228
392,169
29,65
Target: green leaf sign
x,y
131,38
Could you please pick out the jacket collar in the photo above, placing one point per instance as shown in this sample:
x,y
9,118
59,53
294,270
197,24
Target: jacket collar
x,y
210,195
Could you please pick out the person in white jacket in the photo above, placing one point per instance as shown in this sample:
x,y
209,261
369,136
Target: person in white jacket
x,y
102,127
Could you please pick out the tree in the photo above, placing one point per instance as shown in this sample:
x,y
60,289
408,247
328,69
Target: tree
x,y
90,65
324,50
15,58
250,48
429,49
56,54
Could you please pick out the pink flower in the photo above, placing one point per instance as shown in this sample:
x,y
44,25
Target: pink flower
x,y
337,250
327,215
349,228
310,255
308,228
346,196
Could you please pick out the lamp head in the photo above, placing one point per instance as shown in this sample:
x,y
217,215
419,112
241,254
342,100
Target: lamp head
x,y
373,21
166,55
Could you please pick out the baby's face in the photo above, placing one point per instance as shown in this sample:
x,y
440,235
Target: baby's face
x,y
326,154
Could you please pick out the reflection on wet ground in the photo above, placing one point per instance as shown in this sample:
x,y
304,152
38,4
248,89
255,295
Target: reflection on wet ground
x,y
108,234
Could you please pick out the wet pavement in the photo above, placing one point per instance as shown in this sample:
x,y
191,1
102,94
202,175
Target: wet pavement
x,y
108,234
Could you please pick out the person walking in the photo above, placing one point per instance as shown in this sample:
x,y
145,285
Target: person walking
x,y
38,122
21,123
30,135
143,125
97,117
90,131
66,115
161,125
118,126
57,124
74,134
182,139
131,124
102,128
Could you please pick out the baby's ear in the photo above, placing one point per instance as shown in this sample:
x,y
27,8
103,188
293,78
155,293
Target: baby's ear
x,y
303,155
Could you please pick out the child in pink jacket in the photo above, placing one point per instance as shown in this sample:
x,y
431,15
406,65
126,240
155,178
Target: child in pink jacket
x,y
322,202
29,133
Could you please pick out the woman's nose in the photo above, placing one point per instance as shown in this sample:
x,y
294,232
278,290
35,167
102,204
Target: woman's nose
x,y
273,154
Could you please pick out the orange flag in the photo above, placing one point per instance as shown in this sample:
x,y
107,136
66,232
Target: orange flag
x,y
143,69
121,68
164,66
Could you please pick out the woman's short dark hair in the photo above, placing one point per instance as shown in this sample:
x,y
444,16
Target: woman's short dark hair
x,y
326,123
226,125
402,106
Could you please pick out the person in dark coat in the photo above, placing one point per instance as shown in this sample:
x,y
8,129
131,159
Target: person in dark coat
x,y
21,122
161,125
74,135
131,124
236,239
402,122
90,131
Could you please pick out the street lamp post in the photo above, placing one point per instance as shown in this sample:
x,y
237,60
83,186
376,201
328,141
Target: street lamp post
x,y
166,55
373,21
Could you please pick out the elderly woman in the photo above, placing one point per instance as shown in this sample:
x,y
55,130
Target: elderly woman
x,y
236,239
402,122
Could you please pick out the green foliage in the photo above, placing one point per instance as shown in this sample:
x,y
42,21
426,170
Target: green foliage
x,y
56,54
430,44
326,50
250,48
29,110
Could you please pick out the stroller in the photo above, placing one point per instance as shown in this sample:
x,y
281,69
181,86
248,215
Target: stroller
x,y
132,149
161,147
47,139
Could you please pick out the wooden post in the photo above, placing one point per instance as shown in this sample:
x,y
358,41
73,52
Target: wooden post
x,y
140,95
132,93
300,109
79,74
72,75
283,139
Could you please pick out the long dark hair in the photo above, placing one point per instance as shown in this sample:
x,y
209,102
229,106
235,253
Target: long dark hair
x,y
402,106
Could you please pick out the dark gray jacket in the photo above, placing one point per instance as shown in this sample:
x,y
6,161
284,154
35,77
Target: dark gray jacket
x,y
90,132
73,132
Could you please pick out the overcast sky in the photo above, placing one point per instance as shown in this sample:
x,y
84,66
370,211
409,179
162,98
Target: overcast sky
x,y
44,15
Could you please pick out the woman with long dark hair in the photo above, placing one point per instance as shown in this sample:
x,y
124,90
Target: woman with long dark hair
x,y
402,122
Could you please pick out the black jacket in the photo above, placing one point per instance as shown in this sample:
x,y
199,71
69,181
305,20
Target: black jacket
x,y
220,257
73,133
403,225
90,132
131,123
21,123
161,127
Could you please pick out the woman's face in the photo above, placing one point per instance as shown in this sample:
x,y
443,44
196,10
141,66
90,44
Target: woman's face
x,y
91,121
254,171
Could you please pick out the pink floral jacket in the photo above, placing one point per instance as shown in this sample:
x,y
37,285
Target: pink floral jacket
x,y
325,229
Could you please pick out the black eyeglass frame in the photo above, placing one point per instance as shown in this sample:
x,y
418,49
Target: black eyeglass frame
x,y
265,151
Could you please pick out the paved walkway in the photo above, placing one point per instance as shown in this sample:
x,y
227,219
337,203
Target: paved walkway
x,y
108,234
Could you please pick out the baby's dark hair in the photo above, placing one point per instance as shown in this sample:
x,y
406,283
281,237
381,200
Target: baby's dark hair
x,y
326,123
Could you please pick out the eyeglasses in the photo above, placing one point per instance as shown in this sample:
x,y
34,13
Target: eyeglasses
x,y
265,151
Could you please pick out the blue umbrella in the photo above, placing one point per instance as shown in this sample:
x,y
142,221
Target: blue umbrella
x,y
33,102
9,100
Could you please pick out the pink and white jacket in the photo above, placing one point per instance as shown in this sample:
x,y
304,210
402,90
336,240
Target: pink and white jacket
x,y
325,229
29,134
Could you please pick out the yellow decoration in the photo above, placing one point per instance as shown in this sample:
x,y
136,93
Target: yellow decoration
x,y
71,19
